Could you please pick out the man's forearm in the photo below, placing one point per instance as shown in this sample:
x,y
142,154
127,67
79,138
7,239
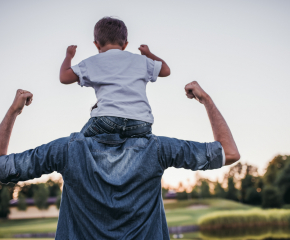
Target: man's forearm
x,y
165,70
6,129
21,99
221,132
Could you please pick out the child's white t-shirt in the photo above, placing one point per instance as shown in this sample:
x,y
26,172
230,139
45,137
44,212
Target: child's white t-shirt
x,y
119,79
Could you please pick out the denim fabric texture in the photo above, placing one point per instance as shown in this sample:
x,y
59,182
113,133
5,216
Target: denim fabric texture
x,y
112,185
124,127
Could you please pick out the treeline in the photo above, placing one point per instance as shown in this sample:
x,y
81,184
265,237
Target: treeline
x,y
243,183
39,192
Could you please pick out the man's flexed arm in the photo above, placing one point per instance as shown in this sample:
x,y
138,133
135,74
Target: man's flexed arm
x,y
220,129
22,98
31,163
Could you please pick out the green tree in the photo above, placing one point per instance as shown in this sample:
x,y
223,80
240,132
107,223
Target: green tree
x,y
252,196
247,182
195,193
283,182
40,195
274,168
4,202
28,190
164,192
232,192
58,201
182,195
219,191
259,183
10,186
204,189
21,206
271,197
54,188
236,171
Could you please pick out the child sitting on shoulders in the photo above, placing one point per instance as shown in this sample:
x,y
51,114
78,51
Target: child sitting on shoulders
x,y
119,79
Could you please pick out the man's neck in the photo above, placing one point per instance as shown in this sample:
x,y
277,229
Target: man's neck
x,y
110,46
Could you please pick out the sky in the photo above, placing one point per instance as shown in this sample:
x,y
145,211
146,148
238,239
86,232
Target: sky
x,y
238,51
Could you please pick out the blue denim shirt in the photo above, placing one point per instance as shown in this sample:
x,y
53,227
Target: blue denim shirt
x,y
112,186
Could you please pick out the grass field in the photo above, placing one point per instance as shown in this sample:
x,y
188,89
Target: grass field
x,y
10,227
178,213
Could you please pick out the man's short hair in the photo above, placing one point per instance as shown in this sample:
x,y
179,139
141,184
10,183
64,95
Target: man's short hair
x,y
110,30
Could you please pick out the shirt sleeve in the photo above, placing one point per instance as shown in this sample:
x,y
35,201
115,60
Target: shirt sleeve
x,y
153,69
35,162
190,155
82,72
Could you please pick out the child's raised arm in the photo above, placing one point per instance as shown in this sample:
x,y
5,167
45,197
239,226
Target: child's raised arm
x,y
165,70
67,76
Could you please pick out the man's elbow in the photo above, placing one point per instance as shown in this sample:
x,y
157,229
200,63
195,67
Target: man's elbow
x,y
232,158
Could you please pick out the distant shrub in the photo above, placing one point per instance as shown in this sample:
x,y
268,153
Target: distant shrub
x,y
194,193
40,196
21,206
164,191
258,233
204,189
219,191
271,197
241,219
182,195
253,197
58,201
286,206
4,202
232,193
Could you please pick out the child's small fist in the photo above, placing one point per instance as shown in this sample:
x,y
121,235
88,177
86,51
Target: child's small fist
x,y
144,49
71,51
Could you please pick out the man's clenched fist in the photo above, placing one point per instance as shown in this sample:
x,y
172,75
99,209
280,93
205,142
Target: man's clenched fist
x,y
21,99
193,90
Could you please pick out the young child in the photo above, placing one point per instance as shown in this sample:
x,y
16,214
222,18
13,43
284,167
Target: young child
x,y
119,79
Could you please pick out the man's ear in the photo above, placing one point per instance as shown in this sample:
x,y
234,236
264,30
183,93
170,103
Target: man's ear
x,y
125,45
97,44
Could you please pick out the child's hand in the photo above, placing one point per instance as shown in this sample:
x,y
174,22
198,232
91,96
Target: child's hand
x,y
144,49
71,51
